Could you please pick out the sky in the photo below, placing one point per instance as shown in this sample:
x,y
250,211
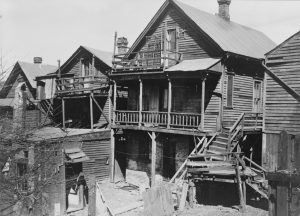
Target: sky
x,y
54,29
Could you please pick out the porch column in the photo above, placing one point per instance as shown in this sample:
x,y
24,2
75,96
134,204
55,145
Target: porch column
x,y
153,157
112,156
203,103
140,102
109,103
169,102
91,111
63,113
115,102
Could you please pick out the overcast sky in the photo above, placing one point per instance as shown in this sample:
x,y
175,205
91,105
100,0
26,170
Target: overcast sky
x,y
54,29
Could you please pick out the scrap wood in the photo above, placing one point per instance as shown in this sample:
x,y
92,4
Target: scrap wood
x,y
104,201
183,196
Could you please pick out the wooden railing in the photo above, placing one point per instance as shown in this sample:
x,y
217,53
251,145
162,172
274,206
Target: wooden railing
x,y
77,84
145,60
245,122
155,118
185,119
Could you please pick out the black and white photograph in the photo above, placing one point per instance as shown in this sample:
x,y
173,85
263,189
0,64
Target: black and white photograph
x,y
149,107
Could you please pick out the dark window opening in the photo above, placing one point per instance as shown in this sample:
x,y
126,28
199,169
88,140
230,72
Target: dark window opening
x,y
230,91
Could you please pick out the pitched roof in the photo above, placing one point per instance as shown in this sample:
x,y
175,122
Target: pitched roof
x,y
32,70
29,71
228,35
194,65
104,56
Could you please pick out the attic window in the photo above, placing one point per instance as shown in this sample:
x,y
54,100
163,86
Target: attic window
x,y
171,40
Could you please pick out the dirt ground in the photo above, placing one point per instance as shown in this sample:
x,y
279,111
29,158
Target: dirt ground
x,y
120,197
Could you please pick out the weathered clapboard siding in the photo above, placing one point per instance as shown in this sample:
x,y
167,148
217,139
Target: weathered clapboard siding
x,y
282,110
242,98
190,43
11,93
97,147
74,68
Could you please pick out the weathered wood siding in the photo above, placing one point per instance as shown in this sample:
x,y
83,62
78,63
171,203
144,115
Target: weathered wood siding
x,y
282,111
242,98
97,147
190,43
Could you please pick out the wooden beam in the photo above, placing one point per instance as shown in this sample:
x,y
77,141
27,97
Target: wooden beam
x,y
91,111
110,103
115,102
153,157
239,185
93,67
99,107
169,102
289,89
222,97
112,156
140,102
203,104
63,113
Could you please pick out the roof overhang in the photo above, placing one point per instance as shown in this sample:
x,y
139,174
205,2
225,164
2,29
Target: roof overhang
x,y
75,153
205,64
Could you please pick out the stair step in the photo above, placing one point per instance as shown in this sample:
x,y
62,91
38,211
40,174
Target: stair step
x,y
218,149
223,135
222,139
220,144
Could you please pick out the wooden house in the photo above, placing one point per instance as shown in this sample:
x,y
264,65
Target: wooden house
x,y
281,138
191,76
76,95
24,72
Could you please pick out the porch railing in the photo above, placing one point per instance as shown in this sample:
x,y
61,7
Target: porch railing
x,y
77,84
154,118
145,60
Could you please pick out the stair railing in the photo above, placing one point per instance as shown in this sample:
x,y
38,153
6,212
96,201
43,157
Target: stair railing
x,y
235,130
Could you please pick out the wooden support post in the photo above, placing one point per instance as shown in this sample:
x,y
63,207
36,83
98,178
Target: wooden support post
x,y
63,113
169,102
109,104
153,157
115,102
91,111
62,180
112,156
222,98
203,104
140,102
239,184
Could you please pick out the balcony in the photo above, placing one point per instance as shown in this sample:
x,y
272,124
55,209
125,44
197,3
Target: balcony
x,y
166,120
146,60
80,85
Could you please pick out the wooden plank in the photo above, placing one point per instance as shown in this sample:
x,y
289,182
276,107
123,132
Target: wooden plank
x,y
183,196
240,191
283,151
282,200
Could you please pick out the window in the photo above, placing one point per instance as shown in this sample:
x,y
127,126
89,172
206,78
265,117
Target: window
x,y
230,91
172,40
21,172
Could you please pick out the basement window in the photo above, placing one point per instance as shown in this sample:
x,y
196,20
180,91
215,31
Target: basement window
x,y
230,91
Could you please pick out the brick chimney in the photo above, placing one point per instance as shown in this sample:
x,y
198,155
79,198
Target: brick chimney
x,y
37,60
224,9
122,43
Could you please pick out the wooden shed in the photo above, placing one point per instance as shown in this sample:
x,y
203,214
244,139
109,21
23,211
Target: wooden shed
x,y
281,138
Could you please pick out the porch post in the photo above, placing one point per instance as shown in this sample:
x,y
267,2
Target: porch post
x,y
63,113
140,102
112,156
203,103
153,157
91,111
169,102
115,102
109,103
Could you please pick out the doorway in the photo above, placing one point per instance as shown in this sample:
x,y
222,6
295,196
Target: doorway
x,y
257,96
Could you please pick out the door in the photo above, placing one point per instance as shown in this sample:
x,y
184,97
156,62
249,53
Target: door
x,y
257,96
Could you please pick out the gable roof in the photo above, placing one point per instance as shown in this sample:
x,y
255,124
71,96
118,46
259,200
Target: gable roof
x,y
29,71
229,36
103,56
282,44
